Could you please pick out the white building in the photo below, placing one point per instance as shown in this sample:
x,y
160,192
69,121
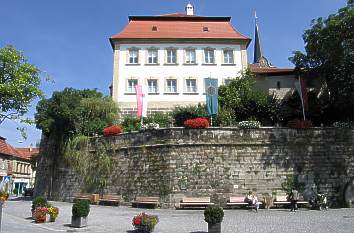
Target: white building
x,y
171,55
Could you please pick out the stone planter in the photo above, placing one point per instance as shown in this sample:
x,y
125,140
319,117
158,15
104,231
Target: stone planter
x,y
214,228
78,222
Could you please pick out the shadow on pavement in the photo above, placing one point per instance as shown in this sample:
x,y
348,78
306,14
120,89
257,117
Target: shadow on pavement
x,y
199,232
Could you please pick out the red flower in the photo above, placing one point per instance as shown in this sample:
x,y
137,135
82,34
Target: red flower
x,y
196,123
112,130
300,124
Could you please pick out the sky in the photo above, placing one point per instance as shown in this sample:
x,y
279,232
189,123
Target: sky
x,y
68,39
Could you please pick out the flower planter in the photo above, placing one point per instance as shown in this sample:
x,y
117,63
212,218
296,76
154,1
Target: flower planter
x,y
214,228
78,222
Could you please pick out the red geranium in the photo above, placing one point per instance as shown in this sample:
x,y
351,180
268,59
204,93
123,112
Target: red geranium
x,y
300,124
112,130
196,123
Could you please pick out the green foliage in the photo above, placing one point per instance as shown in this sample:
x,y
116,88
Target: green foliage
x,y
291,183
225,117
163,119
72,112
81,208
213,214
130,123
19,85
329,55
181,114
94,164
242,100
39,201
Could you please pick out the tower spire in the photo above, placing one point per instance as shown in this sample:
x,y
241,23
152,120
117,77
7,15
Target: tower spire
x,y
258,57
257,42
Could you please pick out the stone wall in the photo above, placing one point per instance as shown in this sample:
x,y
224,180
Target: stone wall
x,y
219,162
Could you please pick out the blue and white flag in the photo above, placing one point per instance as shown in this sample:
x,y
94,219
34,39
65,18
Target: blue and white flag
x,y
211,89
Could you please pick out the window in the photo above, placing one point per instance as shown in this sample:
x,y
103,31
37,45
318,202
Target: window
x,y
171,56
152,56
227,81
133,56
131,85
190,56
228,57
171,86
191,85
209,56
152,86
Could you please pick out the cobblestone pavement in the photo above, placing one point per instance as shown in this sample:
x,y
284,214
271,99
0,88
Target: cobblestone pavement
x,y
16,218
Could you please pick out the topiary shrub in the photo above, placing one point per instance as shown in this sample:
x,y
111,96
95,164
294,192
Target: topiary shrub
x,y
39,202
81,208
213,214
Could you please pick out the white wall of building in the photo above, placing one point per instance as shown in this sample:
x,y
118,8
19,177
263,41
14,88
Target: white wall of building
x,y
144,71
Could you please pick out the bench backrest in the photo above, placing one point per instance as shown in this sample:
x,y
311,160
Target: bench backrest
x,y
196,199
147,199
82,195
237,199
281,198
112,197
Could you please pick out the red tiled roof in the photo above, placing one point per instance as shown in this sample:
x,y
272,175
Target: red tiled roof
x,y
23,153
256,68
28,152
179,26
7,149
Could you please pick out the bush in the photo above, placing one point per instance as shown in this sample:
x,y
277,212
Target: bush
x,y
112,130
249,124
130,123
300,124
196,123
342,124
81,208
181,114
39,202
213,214
164,120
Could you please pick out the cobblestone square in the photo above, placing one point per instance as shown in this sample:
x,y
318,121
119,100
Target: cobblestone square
x,y
16,219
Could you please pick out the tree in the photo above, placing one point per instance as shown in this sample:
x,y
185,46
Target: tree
x,y
243,101
19,85
329,46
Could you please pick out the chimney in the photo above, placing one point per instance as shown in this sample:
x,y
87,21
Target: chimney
x,y
189,9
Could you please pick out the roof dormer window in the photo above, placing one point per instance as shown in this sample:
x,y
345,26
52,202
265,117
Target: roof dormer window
x,y
154,28
205,29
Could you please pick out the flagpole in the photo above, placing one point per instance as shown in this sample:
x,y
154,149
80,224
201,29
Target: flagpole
x,y
302,101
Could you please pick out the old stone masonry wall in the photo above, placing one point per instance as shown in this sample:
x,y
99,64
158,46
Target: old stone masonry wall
x,y
220,162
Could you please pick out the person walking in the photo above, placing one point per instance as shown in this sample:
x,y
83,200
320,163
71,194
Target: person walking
x,y
294,197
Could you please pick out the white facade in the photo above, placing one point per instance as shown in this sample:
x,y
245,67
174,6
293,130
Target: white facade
x,y
226,60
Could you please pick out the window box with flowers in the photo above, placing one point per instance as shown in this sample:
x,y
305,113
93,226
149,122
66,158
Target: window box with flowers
x,y
249,124
197,123
112,130
144,223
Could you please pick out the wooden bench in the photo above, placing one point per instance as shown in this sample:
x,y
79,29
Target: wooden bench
x,y
111,199
195,202
236,201
82,196
146,202
281,200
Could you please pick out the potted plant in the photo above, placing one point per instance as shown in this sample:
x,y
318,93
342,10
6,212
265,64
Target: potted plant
x,y
80,211
53,213
213,215
38,202
40,214
144,223
3,197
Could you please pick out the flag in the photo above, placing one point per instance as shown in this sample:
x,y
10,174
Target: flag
x,y
145,102
141,101
211,89
301,89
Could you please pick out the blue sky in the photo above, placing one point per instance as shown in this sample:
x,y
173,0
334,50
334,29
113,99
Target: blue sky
x,y
68,39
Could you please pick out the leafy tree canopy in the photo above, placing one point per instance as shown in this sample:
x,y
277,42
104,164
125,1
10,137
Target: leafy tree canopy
x,y
19,85
329,46
75,112
241,100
